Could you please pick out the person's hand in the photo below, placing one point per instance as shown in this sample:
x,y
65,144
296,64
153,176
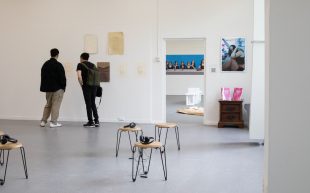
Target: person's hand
x,y
81,82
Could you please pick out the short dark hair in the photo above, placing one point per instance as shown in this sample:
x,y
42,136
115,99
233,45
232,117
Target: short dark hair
x,y
54,52
85,56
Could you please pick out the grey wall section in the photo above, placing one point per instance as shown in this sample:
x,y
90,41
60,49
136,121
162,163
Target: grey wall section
x,y
289,132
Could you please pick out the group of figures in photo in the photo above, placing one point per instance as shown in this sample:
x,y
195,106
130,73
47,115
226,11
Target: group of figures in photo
x,y
184,63
232,59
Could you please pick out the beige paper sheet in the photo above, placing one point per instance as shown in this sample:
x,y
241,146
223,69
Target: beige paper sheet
x,y
116,43
68,68
90,44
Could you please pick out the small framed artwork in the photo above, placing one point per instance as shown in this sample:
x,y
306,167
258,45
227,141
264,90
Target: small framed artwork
x,y
104,70
233,54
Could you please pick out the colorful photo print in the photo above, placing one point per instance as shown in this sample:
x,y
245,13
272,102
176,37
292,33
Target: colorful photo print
x,y
233,54
184,64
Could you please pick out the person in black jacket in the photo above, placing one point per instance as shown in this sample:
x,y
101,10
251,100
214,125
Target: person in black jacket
x,y
53,83
89,91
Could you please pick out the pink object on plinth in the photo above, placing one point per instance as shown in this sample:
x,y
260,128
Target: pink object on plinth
x,y
225,94
237,94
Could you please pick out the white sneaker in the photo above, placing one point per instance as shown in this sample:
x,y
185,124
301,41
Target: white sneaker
x,y
52,125
43,123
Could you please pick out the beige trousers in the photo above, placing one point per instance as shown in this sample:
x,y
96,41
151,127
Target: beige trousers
x,y
53,102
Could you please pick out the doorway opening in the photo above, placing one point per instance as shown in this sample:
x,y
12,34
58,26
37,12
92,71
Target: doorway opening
x,y
185,80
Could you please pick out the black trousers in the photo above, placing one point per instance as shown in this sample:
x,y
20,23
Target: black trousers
x,y
89,93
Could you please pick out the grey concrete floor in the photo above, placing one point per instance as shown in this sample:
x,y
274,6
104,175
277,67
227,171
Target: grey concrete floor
x,y
73,159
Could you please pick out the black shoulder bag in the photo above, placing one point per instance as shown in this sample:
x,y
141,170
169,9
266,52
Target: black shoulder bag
x,y
99,94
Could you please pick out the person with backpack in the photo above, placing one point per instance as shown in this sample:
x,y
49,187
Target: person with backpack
x,y
53,83
88,77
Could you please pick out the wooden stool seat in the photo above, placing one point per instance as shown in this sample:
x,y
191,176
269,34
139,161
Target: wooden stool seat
x,y
166,125
155,144
10,146
130,129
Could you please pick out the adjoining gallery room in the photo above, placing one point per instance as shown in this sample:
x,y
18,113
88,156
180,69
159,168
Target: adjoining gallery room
x,y
154,96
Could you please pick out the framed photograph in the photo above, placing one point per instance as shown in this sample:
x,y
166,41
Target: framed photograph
x,y
233,54
185,64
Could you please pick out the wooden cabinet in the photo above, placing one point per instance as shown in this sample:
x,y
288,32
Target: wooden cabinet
x,y
231,114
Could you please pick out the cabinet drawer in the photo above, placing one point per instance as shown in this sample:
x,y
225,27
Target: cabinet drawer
x,y
231,108
230,117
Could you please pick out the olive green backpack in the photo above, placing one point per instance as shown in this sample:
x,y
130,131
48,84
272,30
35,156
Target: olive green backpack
x,y
93,76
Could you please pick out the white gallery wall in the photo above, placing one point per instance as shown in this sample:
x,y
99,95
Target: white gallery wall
x,y
288,132
257,118
29,29
212,20
178,84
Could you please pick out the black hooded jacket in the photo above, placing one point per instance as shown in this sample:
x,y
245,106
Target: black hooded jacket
x,y
53,76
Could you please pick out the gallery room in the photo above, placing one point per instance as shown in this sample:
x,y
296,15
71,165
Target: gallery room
x,y
202,96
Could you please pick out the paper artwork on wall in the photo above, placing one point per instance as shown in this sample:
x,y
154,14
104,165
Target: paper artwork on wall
x,y
104,69
90,44
233,54
68,68
123,69
116,43
140,69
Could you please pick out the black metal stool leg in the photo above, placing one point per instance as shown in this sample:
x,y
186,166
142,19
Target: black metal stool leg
x,y
166,136
133,172
130,141
150,158
177,135
6,166
163,160
1,156
22,151
155,132
118,141
142,160
159,133
136,134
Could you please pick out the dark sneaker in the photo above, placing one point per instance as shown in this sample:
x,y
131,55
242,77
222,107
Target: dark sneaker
x,y
97,124
89,124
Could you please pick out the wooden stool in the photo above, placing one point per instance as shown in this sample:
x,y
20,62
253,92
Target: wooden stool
x,y
141,147
8,147
167,126
128,130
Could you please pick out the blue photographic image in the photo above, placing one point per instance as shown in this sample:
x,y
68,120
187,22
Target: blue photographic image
x,y
185,64
233,54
